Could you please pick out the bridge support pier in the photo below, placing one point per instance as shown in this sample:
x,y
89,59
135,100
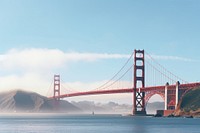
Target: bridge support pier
x,y
171,98
177,93
166,88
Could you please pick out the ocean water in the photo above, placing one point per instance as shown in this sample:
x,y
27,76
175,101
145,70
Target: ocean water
x,y
52,123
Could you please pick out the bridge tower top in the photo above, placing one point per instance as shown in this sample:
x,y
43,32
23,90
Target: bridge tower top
x,y
139,71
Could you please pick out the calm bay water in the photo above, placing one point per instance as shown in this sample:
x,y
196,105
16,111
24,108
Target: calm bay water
x,y
52,123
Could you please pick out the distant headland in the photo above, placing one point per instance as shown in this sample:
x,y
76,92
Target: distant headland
x,y
189,105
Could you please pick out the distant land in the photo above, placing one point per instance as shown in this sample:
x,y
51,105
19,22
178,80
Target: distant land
x,y
189,105
18,101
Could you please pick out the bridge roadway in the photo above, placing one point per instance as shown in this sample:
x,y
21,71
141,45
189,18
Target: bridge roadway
x,y
128,90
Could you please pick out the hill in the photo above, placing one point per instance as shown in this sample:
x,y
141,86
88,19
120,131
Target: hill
x,y
21,101
189,104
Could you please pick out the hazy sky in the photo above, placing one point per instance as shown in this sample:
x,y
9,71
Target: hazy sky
x,y
87,41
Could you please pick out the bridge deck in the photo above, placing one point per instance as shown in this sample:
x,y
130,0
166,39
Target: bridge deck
x,y
128,90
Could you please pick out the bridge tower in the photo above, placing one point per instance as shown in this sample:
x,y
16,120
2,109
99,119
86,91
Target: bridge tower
x,y
139,82
56,87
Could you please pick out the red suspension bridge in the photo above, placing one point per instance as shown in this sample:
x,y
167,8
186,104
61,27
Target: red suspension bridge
x,y
159,81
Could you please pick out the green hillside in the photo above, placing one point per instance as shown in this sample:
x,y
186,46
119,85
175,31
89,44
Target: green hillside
x,y
190,103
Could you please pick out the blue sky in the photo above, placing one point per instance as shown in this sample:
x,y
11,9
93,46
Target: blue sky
x,y
48,27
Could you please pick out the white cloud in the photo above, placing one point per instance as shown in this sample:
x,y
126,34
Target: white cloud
x,y
47,58
31,58
29,82
43,59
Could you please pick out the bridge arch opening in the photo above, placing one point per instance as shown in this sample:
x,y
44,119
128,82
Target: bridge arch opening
x,y
154,102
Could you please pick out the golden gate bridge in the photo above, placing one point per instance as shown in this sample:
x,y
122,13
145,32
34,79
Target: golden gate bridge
x,y
159,81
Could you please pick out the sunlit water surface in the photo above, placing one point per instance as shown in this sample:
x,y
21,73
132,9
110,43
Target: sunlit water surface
x,y
53,123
